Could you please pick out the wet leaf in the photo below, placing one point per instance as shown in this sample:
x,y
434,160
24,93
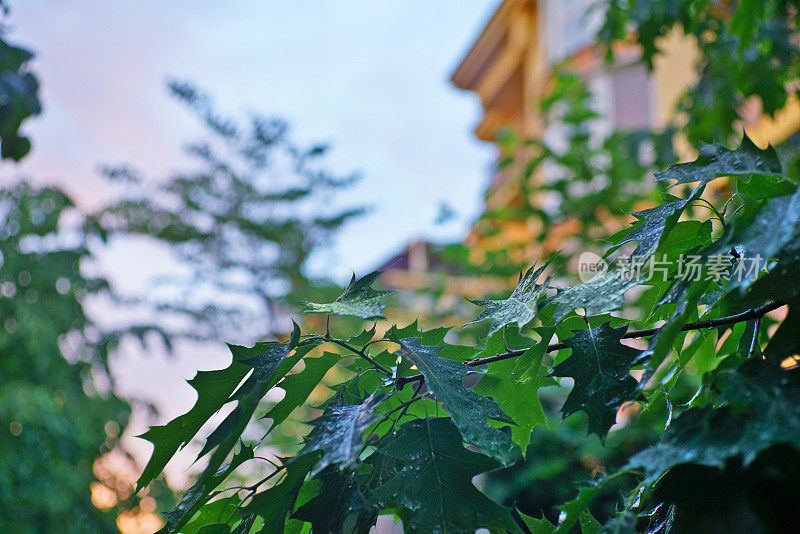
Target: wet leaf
x,y
358,299
299,386
716,160
434,473
760,411
599,295
600,366
200,492
653,224
470,411
276,503
515,388
338,499
519,308
337,432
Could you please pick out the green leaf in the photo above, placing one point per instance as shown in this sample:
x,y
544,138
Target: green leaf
x,y
599,295
516,387
337,432
607,292
299,386
220,511
764,234
716,160
600,366
338,500
433,480
198,495
358,299
576,511
216,528
757,498
780,283
685,295
270,361
538,526
469,410
760,411
274,504
653,224
520,307
785,342
213,388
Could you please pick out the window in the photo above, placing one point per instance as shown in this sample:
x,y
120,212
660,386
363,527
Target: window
x,y
631,94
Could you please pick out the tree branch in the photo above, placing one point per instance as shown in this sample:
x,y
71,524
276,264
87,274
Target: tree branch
x,y
754,313
357,352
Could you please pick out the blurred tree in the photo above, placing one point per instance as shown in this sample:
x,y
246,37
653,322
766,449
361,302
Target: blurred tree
x,y
58,412
748,52
19,97
53,421
570,190
244,223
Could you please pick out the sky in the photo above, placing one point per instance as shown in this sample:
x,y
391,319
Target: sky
x,y
371,78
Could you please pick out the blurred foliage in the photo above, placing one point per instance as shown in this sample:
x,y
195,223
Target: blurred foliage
x,y
587,434
19,95
59,416
54,423
748,49
578,183
244,223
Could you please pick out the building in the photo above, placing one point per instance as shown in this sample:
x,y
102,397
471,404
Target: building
x,y
510,65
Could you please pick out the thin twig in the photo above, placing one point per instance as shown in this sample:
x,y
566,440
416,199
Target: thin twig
x,y
754,313
359,352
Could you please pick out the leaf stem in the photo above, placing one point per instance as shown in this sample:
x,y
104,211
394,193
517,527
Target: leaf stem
x,y
754,313
714,209
359,352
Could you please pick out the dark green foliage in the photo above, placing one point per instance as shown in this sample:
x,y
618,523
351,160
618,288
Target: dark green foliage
x,y
19,97
274,504
600,366
514,383
338,499
759,498
759,411
197,496
299,386
337,432
436,473
470,411
51,418
711,405
653,223
213,391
